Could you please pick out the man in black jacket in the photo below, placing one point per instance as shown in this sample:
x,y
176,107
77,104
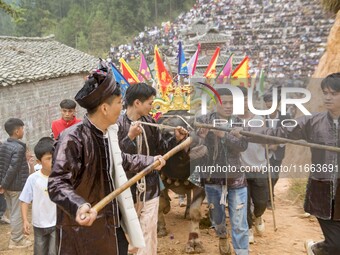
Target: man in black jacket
x,y
223,179
136,138
14,172
84,171
322,198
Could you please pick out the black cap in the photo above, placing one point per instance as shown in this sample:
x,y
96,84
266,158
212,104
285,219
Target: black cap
x,y
99,86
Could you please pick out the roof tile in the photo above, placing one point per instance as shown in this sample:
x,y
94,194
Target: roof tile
x,y
25,59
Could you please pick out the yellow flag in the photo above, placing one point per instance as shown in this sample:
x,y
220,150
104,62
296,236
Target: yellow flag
x,y
240,76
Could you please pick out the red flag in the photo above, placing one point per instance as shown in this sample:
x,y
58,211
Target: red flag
x,y
163,76
127,72
211,69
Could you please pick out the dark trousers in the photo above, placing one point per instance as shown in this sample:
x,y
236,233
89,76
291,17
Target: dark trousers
x,y
258,195
122,242
274,175
3,205
331,245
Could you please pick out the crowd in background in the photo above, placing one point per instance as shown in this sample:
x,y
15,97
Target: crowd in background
x,y
285,37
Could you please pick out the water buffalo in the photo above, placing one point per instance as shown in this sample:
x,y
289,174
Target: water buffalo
x,y
175,176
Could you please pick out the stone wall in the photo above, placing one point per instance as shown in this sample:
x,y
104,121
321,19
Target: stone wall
x,y
37,104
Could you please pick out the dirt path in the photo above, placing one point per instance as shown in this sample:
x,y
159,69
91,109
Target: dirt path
x,y
288,239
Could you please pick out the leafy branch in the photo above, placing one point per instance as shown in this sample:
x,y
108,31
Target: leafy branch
x,y
15,12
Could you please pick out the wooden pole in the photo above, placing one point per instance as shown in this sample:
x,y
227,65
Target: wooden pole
x,y
160,126
271,196
106,200
270,139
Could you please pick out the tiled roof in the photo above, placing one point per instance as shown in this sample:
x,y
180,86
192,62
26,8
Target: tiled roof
x,y
190,48
198,29
205,60
26,59
210,37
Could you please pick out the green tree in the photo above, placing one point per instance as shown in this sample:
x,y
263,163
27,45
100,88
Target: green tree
x,y
14,11
89,25
7,26
99,36
82,42
70,27
39,20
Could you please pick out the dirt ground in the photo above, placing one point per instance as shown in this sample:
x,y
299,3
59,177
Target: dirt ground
x,y
292,230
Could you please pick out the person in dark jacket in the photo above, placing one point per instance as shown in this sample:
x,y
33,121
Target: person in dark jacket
x,y
222,178
13,175
84,172
135,137
323,190
3,207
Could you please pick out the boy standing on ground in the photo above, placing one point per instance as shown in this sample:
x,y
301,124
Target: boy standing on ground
x,y
68,118
43,209
14,172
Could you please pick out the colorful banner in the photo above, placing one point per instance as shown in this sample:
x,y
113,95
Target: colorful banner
x,y
211,69
144,69
182,64
240,76
260,88
193,61
225,72
124,84
163,76
127,72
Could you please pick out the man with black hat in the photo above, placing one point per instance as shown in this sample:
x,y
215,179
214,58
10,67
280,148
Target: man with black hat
x,y
86,169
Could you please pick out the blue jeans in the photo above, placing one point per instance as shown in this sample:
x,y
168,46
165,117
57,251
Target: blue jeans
x,y
237,206
45,241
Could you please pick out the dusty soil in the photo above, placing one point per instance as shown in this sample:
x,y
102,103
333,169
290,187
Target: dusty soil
x,y
292,231
293,228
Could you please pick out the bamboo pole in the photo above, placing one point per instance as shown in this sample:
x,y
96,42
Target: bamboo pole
x,y
269,139
106,200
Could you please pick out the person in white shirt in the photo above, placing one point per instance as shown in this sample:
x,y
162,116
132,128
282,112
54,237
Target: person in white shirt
x,y
43,209
254,160
276,151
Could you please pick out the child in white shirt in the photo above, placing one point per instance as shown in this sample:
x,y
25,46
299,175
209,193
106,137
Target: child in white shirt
x,y
43,209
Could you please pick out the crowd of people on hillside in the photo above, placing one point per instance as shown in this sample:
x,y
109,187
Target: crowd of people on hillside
x,y
285,37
